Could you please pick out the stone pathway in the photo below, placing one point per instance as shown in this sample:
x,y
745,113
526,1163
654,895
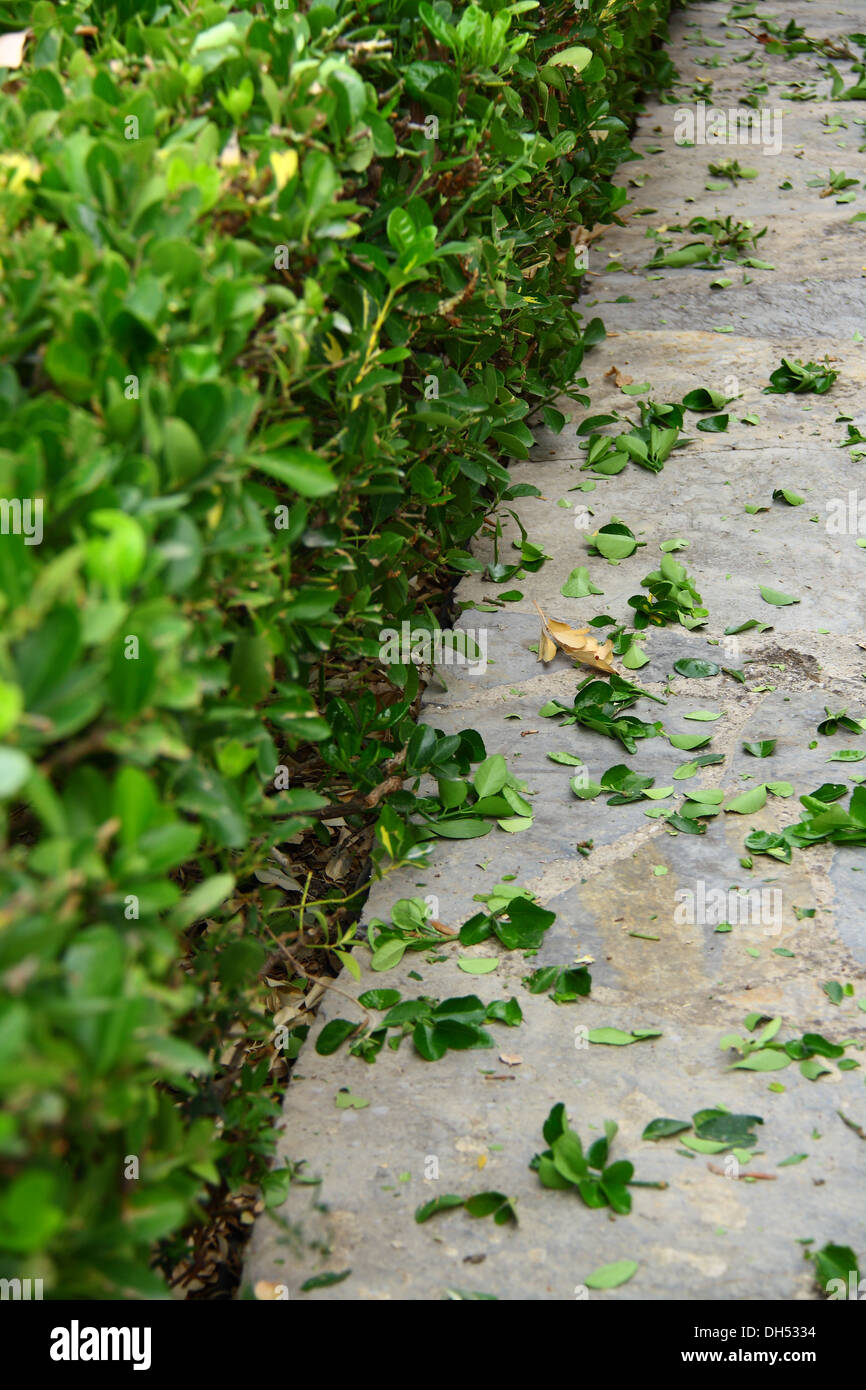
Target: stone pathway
x,y
705,1236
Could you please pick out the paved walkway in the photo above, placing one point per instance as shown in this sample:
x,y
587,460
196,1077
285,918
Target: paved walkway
x,y
705,1235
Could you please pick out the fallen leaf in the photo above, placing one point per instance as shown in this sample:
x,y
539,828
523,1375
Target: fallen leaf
x,y
612,1275
618,377
441,927
576,643
268,1292
511,1059
344,1100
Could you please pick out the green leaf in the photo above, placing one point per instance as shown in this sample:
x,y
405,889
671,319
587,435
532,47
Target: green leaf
x,y
299,469
568,1157
762,749
691,254
614,541
345,1100
447,1202
201,900
333,1035
389,954
477,965
765,1059
635,658
183,452
704,1146
776,597
615,1037
689,742
579,585
837,1262
612,1275
494,1204
694,668
661,1128
748,802
491,775
704,398
379,998
324,1281
747,627
575,57
812,1068
460,829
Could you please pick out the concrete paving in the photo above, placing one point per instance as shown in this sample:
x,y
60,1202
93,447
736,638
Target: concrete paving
x,y
476,1120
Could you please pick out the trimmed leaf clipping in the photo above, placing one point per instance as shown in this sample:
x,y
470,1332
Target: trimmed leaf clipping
x,y
575,643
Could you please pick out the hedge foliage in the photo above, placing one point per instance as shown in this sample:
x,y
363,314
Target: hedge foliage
x,y
280,285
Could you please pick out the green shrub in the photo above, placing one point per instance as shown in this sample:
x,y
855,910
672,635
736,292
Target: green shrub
x,y
279,290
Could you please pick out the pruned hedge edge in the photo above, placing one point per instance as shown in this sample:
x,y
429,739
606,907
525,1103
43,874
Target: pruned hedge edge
x,y
280,286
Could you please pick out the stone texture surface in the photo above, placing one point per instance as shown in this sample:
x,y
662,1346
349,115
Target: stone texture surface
x,y
704,1235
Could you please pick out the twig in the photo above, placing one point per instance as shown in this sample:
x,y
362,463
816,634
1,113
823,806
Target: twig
x,y
368,802
317,979
765,1177
852,1124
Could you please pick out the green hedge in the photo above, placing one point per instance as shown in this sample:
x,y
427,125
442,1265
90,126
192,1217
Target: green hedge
x,y
280,286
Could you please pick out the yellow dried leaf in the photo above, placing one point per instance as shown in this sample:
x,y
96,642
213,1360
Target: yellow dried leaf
x,y
575,642
284,165
566,635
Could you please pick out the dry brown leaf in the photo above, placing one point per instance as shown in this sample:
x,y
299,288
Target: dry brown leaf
x,y
511,1059
575,642
12,48
619,378
581,236
441,927
288,1014
268,1291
